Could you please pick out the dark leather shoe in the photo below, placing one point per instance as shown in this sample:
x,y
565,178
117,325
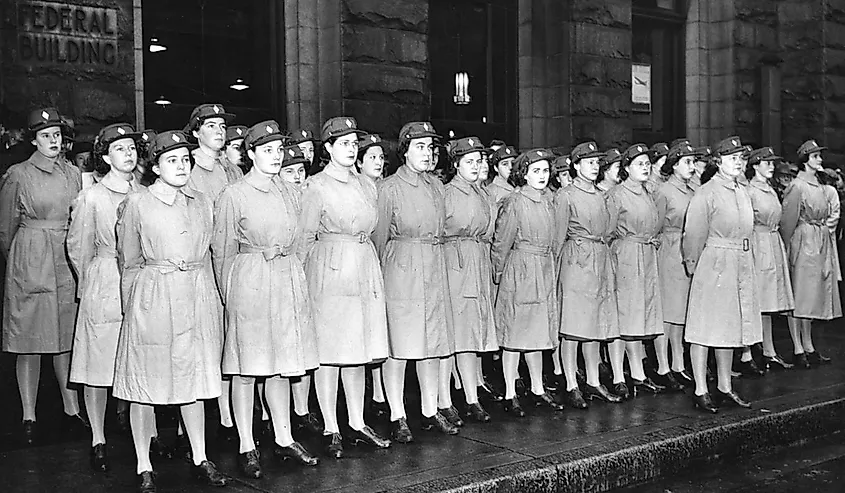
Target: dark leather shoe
x,y
551,382
519,385
99,458
574,399
400,431
438,422
182,446
227,433
146,482
207,473
477,413
801,362
730,399
683,378
486,391
249,464
265,431
603,394
28,431
379,410
309,423
452,415
749,369
160,450
545,400
668,382
123,422
369,436
333,444
646,385
771,363
621,390
297,452
705,403
513,407
816,358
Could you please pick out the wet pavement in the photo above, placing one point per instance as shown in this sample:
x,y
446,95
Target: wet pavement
x,y
595,450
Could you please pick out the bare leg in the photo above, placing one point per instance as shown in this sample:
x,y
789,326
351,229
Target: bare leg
x,y
557,358
378,387
634,350
61,365
724,361
243,398
616,348
277,391
569,356
698,358
444,380
224,403
534,360
428,371
325,381
807,335
746,354
795,332
393,372
28,367
353,388
661,350
193,415
590,350
510,367
301,390
468,369
676,340
265,413
768,342
95,404
141,422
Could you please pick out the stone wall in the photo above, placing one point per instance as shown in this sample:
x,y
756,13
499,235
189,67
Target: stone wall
x,y
77,55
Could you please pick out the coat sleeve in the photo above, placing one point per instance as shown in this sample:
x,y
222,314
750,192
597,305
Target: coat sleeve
x,y
504,237
10,210
130,258
385,216
613,206
696,229
562,215
791,210
833,211
309,219
661,201
224,239
81,235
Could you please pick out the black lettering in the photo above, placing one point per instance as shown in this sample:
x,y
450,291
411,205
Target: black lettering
x,y
37,12
109,29
109,54
25,47
24,15
94,26
52,18
93,52
72,51
79,21
66,27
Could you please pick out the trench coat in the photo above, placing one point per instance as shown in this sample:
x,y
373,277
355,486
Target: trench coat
x,y
523,255
803,226
39,300
724,309
171,341
832,223
634,253
499,189
586,284
269,326
408,238
470,219
210,175
773,281
339,213
92,248
672,199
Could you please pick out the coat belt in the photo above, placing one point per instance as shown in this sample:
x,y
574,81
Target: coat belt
x,y
349,238
269,252
47,224
528,247
425,240
743,244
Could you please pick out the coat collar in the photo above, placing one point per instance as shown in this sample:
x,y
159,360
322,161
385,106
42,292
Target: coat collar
x,y
636,188
168,194
43,163
462,185
532,193
808,178
680,184
501,182
118,185
409,176
205,161
258,182
338,172
723,180
584,185
761,185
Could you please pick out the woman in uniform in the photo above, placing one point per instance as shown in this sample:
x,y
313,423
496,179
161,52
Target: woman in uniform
x,y
91,245
656,156
560,172
672,199
254,245
500,187
470,218
39,304
234,141
773,280
634,253
409,237
609,170
803,226
523,251
716,244
370,161
305,140
586,282
171,341
338,216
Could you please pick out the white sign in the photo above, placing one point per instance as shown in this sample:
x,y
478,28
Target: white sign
x,y
641,84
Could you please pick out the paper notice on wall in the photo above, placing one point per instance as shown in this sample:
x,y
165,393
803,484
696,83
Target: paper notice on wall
x,y
641,84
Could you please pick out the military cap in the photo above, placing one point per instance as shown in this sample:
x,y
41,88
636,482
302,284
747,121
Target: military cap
x,y
703,152
561,164
762,154
147,136
635,151
338,127
369,140
235,132
534,155
262,133
585,150
44,118
291,155
417,130
205,111
731,145
678,141
465,146
681,149
504,152
658,151
612,156
810,147
301,135
117,131
167,141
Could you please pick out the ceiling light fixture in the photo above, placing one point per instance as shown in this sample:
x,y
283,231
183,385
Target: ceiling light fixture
x,y
162,101
156,46
239,85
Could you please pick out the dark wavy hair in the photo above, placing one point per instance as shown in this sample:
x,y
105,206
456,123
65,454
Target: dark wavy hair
x,y
668,167
96,162
519,170
709,172
802,162
604,165
623,166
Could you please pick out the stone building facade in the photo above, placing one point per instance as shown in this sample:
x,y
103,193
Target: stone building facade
x,y
770,71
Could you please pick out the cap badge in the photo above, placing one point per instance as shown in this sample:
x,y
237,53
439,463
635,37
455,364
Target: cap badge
x,y
425,126
216,109
734,142
175,138
304,133
121,131
373,138
349,123
268,129
590,146
240,131
45,115
507,151
471,142
292,154
145,136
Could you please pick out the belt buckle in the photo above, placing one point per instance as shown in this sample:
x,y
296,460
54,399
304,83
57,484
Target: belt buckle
x,y
362,237
182,265
746,245
437,240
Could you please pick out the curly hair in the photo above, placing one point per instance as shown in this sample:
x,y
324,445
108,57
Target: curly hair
x,y
668,167
604,166
709,172
99,165
519,170
802,161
